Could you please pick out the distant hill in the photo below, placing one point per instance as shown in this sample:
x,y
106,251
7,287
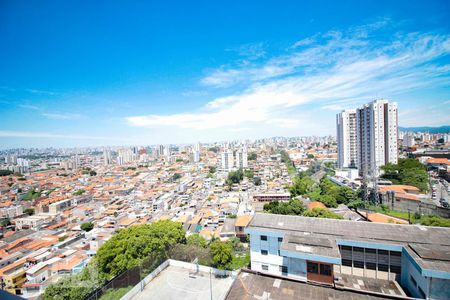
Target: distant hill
x,y
440,129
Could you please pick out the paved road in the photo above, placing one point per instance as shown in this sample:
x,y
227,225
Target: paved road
x,y
441,192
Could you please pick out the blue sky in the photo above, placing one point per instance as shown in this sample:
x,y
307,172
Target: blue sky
x,y
79,73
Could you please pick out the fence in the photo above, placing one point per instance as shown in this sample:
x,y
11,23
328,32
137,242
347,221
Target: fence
x,y
118,286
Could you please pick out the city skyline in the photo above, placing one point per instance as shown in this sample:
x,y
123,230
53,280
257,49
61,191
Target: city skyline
x,y
247,72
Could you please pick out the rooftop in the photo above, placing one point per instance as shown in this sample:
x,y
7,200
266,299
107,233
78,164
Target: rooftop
x,y
412,237
254,286
179,283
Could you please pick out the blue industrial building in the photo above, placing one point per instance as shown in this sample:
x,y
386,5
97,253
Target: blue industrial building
x,y
417,258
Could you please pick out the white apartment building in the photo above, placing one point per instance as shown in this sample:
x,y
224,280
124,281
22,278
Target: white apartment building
x,y
11,211
408,140
377,132
196,156
347,139
107,158
227,160
241,158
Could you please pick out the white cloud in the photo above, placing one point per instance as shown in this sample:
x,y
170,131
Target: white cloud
x,y
62,116
334,70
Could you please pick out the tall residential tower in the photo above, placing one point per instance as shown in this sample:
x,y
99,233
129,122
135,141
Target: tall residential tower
x,y
367,137
346,139
377,133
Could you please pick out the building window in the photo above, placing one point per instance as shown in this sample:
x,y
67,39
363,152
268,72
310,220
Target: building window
x,y
264,252
325,270
413,280
283,269
312,267
371,266
396,269
358,264
383,268
280,239
347,262
264,238
265,267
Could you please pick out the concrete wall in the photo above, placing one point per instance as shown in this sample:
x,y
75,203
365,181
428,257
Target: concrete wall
x,y
273,260
411,270
416,206
439,288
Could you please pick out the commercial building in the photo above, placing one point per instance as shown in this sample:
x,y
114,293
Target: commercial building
x,y
347,139
322,250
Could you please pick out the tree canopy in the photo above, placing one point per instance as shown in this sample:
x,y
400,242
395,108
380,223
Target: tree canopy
x,y
29,211
88,226
5,172
408,171
293,207
197,240
129,246
235,177
252,156
222,254
321,213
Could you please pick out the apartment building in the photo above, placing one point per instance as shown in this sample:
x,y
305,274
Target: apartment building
x,y
347,139
319,250
241,158
227,160
377,133
367,137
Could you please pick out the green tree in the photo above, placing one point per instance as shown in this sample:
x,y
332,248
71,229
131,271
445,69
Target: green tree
x,y
301,186
196,240
176,176
79,192
293,207
328,200
5,172
408,171
92,173
130,246
29,211
321,213
252,156
214,149
235,177
88,226
74,287
257,181
222,254
355,204
5,222
248,173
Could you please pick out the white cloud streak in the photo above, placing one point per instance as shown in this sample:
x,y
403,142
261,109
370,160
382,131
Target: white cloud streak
x,y
333,70
62,116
